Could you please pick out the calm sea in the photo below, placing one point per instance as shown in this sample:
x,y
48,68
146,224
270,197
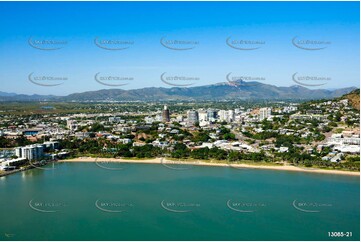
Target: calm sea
x,y
100,201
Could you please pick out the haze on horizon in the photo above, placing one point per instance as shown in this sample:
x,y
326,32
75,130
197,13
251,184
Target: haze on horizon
x,y
146,27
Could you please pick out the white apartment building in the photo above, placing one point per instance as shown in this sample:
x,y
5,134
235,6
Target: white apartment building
x,y
30,152
202,116
226,115
264,113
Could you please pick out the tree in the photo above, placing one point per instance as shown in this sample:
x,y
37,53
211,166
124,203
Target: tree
x,y
97,127
201,153
234,156
229,136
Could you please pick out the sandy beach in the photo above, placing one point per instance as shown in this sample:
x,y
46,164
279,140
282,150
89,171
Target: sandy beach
x,y
167,162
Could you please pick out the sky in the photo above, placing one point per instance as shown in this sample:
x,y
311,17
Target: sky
x,y
277,43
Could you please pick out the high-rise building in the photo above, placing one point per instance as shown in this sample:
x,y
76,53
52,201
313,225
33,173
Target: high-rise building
x,y
165,114
231,116
18,152
226,115
30,152
222,115
202,115
212,115
192,117
264,113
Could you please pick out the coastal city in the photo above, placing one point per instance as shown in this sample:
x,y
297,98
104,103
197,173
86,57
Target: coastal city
x,y
322,134
180,121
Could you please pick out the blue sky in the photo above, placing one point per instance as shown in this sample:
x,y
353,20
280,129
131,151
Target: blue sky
x,y
208,24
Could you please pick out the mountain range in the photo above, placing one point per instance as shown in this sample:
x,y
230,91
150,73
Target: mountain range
x,y
237,90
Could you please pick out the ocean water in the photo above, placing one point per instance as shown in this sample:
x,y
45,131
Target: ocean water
x,y
92,201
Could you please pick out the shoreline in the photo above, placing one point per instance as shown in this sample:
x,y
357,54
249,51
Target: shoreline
x,y
7,173
167,162
3,174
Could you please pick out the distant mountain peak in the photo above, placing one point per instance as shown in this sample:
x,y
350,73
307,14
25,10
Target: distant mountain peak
x,y
231,90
